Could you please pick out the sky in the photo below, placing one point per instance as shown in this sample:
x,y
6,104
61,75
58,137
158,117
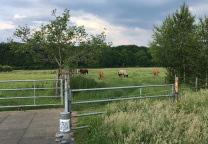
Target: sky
x,y
128,22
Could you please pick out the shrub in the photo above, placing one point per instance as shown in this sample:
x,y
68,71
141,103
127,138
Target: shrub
x,y
81,82
5,68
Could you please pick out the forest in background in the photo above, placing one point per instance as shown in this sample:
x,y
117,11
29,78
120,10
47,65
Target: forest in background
x,y
119,56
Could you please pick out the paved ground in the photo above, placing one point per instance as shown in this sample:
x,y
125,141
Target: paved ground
x,y
29,127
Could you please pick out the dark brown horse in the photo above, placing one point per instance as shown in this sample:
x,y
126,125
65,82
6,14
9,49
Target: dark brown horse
x,y
83,71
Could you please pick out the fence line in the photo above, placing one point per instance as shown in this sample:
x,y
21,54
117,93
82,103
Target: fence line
x,y
69,103
34,89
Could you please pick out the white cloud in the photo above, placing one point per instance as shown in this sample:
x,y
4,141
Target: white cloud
x,y
199,9
6,25
119,35
17,16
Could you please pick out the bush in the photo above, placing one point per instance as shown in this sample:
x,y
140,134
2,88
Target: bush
x,y
81,82
5,68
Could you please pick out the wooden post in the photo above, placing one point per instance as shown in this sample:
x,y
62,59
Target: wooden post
x,y
196,83
176,89
165,81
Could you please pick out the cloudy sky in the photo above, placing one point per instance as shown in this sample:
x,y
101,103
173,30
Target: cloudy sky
x,y
127,21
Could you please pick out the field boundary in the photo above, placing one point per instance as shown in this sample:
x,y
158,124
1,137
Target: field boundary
x,y
69,103
34,89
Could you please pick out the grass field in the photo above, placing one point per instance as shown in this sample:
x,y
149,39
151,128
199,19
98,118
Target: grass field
x,y
120,122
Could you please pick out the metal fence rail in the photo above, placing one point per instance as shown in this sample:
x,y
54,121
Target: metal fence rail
x,y
69,103
34,89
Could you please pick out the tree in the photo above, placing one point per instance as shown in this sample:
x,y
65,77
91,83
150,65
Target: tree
x,y
96,45
57,41
142,58
174,45
53,42
203,44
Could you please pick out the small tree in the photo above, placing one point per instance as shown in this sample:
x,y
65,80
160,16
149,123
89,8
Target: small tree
x,y
174,43
52,42
203,44
58,42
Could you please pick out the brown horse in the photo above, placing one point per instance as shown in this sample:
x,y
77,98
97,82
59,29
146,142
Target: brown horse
x,y
155,72
101,74
83,71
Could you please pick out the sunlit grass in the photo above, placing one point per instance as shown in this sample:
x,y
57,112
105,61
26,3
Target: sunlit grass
x,y
154,122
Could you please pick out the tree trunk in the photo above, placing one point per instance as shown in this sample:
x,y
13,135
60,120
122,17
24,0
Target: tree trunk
x,y
58,77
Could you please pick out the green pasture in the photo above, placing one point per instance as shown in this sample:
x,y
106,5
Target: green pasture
x,y
137,77
27,75
151,121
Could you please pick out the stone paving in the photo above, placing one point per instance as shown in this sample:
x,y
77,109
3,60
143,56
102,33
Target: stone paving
x,y
29,127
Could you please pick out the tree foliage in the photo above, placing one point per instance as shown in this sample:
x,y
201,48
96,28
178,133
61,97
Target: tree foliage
x,y
57,41
126,56
105,57
203,44
175,44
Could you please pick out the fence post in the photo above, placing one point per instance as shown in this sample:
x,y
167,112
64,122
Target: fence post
x,y
65,136
67,74
176,89
172,93
196,84
66,96
140,96
34,94
62,92
69,107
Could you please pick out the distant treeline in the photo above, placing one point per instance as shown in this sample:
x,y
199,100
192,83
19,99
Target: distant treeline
x,y
126,56
120,56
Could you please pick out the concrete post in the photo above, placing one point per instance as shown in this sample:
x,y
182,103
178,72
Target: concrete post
x,y
65,136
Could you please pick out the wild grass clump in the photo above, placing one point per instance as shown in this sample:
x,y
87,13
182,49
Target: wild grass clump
x,y
160,122
82,82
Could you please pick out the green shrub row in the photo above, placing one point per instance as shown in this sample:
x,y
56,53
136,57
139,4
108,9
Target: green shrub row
x,y
5,68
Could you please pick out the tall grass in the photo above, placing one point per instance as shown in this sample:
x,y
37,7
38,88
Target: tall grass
x,y
154,122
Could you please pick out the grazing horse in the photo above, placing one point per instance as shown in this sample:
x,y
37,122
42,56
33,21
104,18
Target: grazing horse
x,y
155,72
101,74
83,71
123,72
